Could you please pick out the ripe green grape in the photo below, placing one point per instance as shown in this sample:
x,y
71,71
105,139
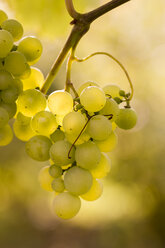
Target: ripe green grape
x,y
9,95
85,85
59,153
14,27
95,191
44,123
110,108
103,168
17,83
3,16
38,148
93,98
66,205
15,63
99,127
35,79
30,102
84,137
55,171
57,135
109,144
6,43
11,108
6,80
58,185
126,118
26,74
77,180
4,117
31,47
45,179
6,135
60,102
112,90
87,155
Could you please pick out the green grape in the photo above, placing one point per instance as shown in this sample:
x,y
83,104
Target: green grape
x,y
93,98
55,171
59,119
66,205
103,168
38,148
36,79
14,27
11,108
77,180
6,135
109,144
99,127
85,85
126,118
6,80
74,122
31,47
10,95
57,135
84,137
6,43
87,155
4,117
45,179
59,153
60,102
30,102
15,63
112,90
17,83
26,74
3,16
110,108
58,185
44,123
95,191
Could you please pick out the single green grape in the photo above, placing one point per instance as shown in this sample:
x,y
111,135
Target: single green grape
x,y
108,144
57,135
55,171
35,79
103,167
45,179
6,80
85,85
6,43
6,135
3,16
58,185
111,108
10,95
126,118
11,108
95,191
4,117
14,27
112,90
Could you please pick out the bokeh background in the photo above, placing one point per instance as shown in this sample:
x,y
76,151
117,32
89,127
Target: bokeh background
x,y
131,212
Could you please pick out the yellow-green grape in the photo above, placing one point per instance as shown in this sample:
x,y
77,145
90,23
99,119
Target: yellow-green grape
x,y
30,102
126,118
103,168
112,90
109,144
66,205
31,47
93,98
95,191
58,185
87,155
99,127
4,117
35,79
84,137
11,108
45,179
55,171
9,95
38,148
59,119
6,135
22,127
74,122
77,180
15,63
6,80
14,27
26,74
57,135
59,153
6,43
3,16
85,85
44,123
60,102
110,108
17,83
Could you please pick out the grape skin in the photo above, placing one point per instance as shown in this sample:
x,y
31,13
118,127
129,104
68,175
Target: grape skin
x,y
45,179
103,168
95,191
85,85
6,43
6,135
14,27
110,108
6,80
11,108
58,185
55,171
35,79
108,144
4,117
112,90
126,118
3,16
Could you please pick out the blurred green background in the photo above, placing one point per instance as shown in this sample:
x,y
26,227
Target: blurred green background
x,y
131,212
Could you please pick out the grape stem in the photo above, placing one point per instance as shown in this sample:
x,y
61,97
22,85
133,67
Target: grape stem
x,y
81,26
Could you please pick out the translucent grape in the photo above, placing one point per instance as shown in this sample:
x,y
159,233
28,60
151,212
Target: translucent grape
x,y
59,119
57,135
17,83
6,135
87,155
59,153
38,148
6,43
14,27
110,108
3,16
112,90
60,102
126,118
30,102
84,137
95,191
26,74
36,79
10,95
108,144
93,98
4,117
99,127
45,179
55,171
11,108
77,180
85,85
58,185
6,80
66,205
103,168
